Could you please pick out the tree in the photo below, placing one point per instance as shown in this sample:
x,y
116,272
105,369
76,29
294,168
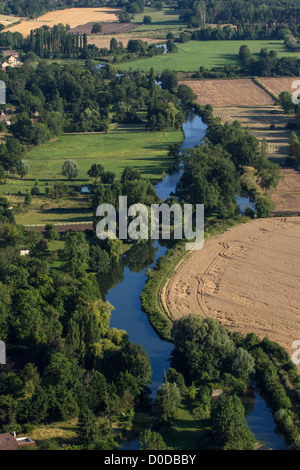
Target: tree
x,y
2,173
28,199
171,46
51,232
31,378
229,426
202,347
186,94
169,81
264,206
95,171
76,254
107,177
22,168
113,45
97,28
150,440
99,259
269,176
70,169
243,363
285,100
147,19
88,428
129,174
166,403
176,377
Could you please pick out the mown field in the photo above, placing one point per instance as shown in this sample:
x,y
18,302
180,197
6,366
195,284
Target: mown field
x,y
6,20
192,55
146,151
164,19
233,92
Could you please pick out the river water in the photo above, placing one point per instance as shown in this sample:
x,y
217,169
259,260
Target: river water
x,y
123,290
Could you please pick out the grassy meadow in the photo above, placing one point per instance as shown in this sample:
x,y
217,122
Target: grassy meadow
x,y
192,55
164,19
146,151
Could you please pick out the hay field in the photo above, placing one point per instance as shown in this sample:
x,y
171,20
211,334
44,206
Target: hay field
x,y
277,85
107,28
104,40
6,20
233,92
248,278
73,16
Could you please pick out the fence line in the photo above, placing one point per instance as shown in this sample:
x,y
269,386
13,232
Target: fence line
x,y
90,222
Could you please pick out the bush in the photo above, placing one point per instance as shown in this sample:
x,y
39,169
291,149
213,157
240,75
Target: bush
x,y
28,199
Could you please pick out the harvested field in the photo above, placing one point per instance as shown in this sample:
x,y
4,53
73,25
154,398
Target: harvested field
x,y
6,20
277,85
107,28
248,278
234,92
73,16
287,196
104,41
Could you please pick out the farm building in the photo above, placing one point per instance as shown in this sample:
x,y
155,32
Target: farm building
x,y
9,441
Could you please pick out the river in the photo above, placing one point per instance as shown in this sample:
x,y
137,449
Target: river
x,y
123,290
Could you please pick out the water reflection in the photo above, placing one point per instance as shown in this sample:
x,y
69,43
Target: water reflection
x,y
261,422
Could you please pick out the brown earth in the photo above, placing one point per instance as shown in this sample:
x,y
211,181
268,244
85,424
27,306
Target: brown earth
x,y
233,92
248,278
104,41
107,28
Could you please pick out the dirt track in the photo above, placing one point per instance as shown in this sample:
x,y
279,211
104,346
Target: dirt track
x,y
248,278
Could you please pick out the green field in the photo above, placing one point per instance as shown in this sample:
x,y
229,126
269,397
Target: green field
x,y
146,151
192,55
164,19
